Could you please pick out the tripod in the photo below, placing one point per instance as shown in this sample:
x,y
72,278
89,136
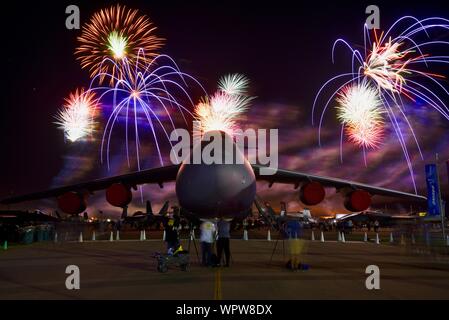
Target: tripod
x,y
275,246
192,239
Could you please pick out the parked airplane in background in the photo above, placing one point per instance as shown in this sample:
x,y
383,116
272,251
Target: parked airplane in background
x,y
20,217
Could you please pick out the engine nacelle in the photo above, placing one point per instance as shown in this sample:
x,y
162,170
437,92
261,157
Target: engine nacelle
x,y
312,193
119,195
358,200
72,202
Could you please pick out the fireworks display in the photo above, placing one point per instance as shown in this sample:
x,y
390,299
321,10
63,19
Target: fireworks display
x,y
360,111
76,117
143,90
145,97
116,32
138,88
234,84
392,72
117,45
221,111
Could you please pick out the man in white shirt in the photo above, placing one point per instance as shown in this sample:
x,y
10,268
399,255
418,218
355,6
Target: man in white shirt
x,y
207,238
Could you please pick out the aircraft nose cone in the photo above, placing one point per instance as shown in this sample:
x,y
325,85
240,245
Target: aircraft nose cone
x,y
212,190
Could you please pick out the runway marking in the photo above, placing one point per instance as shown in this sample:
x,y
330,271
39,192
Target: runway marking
x,y
217,285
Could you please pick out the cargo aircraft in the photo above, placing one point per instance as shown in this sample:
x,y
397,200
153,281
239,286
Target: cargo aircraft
x,y
207,191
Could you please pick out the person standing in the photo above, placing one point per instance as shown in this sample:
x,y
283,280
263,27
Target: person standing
x,y
207,238
293,230
171,235
350,226
376,226
224,235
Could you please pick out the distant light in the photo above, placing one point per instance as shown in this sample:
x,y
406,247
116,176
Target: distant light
x,y
108,220
422,214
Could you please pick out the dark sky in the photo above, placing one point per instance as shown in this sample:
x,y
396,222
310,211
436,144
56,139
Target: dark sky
x,y
283,47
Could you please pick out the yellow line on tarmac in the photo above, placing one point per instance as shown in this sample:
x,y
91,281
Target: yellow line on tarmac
x,y
217,288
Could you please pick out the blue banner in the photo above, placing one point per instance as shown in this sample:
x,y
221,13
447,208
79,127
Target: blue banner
x,y
433,190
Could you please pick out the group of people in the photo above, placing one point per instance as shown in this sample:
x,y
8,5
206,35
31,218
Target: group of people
x,y
211,233
218,233
347,226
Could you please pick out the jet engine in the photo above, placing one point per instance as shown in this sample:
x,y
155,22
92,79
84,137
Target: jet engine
x,y
312,193
358,200
72,202
119,195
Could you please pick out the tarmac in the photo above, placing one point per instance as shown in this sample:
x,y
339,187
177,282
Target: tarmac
x,y
127,270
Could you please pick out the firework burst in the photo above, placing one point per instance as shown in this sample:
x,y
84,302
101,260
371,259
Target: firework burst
x,y
116,32
234,84
145,95
360,111
76,117
221,111
397,64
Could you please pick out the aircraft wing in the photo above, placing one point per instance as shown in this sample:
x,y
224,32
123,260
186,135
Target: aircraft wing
x,y
295,178
156,175
169,173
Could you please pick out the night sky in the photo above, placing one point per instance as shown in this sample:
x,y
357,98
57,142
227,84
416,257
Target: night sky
x,y
283,47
